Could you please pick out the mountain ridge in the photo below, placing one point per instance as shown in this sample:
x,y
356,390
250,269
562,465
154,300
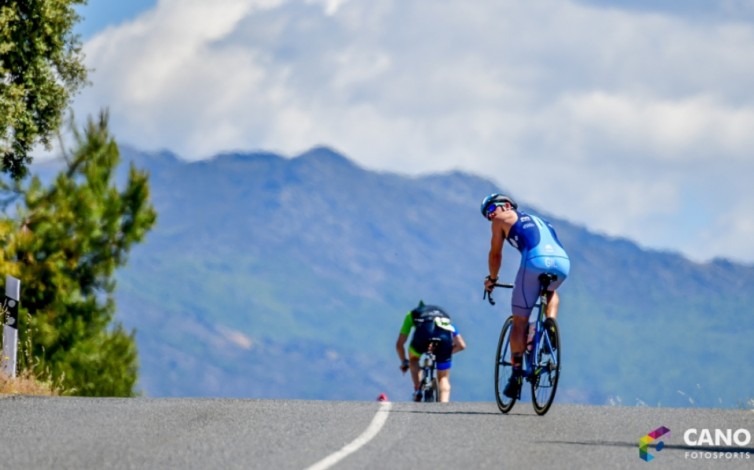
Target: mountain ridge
x,y
264,269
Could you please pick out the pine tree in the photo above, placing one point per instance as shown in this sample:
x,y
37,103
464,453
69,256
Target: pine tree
x,y
71,237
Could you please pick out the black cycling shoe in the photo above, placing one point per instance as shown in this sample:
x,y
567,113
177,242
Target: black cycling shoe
x,y
513,387
551,333
418,395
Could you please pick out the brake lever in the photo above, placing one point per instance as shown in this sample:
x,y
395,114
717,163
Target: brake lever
x,y
488,295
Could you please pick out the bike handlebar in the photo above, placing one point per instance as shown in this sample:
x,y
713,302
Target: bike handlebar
x,y
488,295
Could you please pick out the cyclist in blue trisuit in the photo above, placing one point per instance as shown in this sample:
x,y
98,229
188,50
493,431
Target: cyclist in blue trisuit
x,y
428,322
541,252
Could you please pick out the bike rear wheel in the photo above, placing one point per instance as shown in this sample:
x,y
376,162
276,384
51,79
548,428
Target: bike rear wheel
x,y
431,393
504,367
546,370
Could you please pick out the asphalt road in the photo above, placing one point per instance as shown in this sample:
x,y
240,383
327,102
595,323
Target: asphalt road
x,y
142,433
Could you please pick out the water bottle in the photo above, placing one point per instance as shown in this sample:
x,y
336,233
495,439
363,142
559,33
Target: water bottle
x,y
530,337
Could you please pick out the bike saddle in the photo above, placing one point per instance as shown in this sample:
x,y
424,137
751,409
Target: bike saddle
x,y
547,278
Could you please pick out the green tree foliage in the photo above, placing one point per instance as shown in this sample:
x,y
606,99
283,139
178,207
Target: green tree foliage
x,y
70,239
41,68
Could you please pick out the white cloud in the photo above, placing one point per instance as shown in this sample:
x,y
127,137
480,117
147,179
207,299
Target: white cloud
x,y
330,6
691,128
614,119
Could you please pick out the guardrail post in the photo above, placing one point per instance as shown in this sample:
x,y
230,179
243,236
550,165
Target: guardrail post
x,y
10,325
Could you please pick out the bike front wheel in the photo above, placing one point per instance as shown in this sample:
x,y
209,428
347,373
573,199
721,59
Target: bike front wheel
x,y
504,367
546,370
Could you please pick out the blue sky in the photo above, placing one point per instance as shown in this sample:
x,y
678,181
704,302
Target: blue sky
x,y
635,119
99,14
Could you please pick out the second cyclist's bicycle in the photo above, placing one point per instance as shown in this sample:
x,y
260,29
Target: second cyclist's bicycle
x,y
427,363
541,361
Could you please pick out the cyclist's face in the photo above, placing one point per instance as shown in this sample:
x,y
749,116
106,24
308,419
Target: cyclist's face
x,y
492,211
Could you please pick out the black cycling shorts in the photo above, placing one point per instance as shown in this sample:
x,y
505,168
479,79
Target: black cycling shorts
x,y
425,332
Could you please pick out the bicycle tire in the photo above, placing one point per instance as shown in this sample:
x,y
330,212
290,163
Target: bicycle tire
x,y
431,394
546,370
426,386
504,367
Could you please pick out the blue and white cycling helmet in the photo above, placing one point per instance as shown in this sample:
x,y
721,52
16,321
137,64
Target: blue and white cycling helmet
x,y
496,199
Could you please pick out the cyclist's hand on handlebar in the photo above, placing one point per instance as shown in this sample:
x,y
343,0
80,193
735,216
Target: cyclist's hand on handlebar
x,y
489,283
489,286
404,366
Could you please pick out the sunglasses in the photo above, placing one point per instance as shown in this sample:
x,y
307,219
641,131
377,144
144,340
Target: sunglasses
x,y
490,209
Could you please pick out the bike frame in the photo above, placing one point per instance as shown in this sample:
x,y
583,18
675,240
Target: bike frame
x,y
529,366
539,339
539,362
427,364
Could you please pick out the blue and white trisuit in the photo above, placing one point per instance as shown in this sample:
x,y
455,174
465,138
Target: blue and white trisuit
x,y
541,252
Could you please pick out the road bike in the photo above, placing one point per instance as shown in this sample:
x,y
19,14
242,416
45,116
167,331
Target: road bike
x,y
541,364
427,363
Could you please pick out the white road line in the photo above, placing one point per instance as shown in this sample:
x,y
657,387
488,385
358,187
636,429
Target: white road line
x,y
374,427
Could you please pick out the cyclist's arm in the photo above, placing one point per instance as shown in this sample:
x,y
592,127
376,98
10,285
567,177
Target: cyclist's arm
x,y
495,258
400,346
458,343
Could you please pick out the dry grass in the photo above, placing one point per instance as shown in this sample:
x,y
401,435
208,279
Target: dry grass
x,y
26,384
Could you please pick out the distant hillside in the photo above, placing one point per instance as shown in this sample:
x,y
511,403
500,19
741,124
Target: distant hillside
x,y
276,277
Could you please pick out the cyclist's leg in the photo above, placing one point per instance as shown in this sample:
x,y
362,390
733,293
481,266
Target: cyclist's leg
x,y
419,345
521,305
443,356
560,266
553,302
413,367
523,299
518,338
553,299
414,353
443,383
